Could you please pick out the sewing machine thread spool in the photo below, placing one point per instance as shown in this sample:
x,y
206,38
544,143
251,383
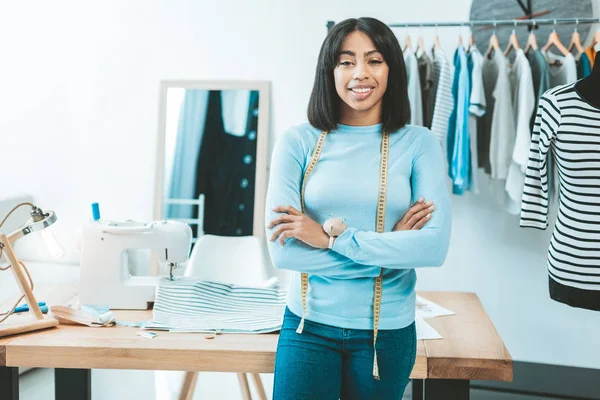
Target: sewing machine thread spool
x,y
95,211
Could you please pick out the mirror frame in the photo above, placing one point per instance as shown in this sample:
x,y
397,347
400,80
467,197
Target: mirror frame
x,y
260,187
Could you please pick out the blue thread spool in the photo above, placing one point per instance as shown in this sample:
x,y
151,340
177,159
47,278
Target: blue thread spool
x,y
95,211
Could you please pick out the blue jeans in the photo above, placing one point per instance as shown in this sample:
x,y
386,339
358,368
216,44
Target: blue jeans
x,y
325,362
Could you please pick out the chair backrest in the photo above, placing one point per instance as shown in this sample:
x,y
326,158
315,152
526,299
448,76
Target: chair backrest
x,y
187,208
228,259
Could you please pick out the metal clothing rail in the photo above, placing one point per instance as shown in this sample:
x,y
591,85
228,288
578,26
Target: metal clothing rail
x,y
513,22
492,22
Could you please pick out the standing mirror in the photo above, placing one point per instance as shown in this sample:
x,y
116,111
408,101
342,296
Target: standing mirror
x,y
212,156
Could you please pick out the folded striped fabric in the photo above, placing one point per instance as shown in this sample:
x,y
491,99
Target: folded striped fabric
x,y
191,305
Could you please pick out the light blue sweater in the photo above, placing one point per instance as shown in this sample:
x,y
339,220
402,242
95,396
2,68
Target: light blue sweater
x,y
345,184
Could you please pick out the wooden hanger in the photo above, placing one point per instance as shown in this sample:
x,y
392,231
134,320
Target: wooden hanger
x,y
436,42
471,40
407,42
576,41
420,46
420,49
513,42
596,38
494,45
554,40
531,43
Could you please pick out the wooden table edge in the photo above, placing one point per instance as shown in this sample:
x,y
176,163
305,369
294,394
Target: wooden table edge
x,y
2,355
429,368
467,368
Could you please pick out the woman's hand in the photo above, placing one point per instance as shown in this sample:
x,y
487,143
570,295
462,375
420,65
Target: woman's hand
x,y
416,216
294,224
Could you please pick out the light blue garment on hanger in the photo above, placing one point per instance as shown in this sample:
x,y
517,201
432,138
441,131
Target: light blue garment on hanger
x,y
458,132
190,130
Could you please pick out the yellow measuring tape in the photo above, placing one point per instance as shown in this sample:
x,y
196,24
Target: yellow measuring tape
x,y
381,201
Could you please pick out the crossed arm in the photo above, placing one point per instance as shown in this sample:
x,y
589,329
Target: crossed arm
x,y
419,239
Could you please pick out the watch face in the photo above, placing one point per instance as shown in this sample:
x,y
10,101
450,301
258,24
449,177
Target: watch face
x,y
510,10
334,226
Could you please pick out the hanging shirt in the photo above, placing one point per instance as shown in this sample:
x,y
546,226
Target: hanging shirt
x,y
426,80
584,67
227,171
540,75
590,52
501,141
489,73
567,126
444,102
458,130
190,133
435,77
477,107
414,88
341,279
563,70
523,100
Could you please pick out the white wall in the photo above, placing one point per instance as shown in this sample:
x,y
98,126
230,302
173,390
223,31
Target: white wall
x,y
79,96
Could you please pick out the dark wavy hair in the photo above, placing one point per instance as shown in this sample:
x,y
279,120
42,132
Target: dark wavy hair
x,y
324,104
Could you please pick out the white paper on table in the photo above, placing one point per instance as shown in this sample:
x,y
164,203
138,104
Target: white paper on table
x,y
425,331
429,309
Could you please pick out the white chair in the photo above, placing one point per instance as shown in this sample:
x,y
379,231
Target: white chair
x,y
199,221
226,259
237,260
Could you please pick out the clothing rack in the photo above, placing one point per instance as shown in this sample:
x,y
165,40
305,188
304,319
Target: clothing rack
x,y
491,22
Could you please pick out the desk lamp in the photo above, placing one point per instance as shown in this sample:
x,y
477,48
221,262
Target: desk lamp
x,y
38,222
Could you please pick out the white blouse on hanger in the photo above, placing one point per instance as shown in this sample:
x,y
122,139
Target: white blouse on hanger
x,y
523,100
565,72
414,88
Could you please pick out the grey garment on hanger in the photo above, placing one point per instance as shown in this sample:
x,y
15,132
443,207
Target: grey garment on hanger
x,y
414,88
562,69
484,124
436,68
540,72
540,76
502,127
426,77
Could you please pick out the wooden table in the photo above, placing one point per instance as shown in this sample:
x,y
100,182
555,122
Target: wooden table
x,y
471,350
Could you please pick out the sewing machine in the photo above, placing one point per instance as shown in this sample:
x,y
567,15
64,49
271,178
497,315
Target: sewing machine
x,y
105,278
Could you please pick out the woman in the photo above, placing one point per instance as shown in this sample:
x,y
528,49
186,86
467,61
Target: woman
x,y
348,330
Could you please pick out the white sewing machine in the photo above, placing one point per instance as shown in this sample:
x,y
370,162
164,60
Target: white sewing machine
x,y
105,278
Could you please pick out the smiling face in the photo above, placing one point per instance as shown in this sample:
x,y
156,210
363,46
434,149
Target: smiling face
x,y
361,76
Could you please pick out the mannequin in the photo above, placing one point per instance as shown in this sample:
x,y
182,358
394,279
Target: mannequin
x,y
573,137
589,87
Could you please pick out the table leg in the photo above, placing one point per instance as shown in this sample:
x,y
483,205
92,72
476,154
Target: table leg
x,y
417,389
259,387
447,389
72,384
9,383
244,387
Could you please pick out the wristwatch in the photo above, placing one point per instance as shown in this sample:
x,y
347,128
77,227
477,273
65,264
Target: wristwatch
x,y
334,227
